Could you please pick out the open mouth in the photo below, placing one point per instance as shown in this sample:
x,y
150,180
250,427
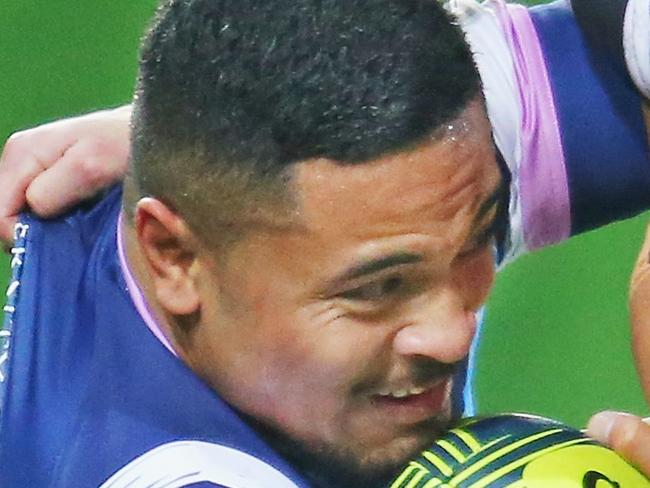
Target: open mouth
x,y
414,403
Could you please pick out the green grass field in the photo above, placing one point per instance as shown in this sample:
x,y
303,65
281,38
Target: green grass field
x,y
556,339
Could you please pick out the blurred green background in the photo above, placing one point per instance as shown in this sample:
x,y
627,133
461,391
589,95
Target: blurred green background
x,y
556,339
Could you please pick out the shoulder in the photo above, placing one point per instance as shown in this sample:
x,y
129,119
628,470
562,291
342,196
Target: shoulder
x,y
77,231
197,463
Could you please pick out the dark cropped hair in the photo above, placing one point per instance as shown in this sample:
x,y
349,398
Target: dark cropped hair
x,y
238,90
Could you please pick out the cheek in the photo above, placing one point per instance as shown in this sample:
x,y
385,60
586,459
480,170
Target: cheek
x,y
300,366
283,384
303,386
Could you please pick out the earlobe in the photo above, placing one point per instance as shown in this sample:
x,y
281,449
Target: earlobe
x,y
170,250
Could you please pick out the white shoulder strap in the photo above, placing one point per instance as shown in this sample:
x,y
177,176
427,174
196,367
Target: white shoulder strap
x,y
494,61
182,463
636,41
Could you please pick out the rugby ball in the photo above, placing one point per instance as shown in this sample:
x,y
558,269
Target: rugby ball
x,y
518,451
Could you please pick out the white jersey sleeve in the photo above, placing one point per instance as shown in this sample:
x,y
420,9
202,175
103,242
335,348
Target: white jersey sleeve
x,y
570,132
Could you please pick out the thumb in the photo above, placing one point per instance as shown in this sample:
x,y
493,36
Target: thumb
x,y
627,434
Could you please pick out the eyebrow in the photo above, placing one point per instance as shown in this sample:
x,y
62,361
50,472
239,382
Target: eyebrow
x,y
379,264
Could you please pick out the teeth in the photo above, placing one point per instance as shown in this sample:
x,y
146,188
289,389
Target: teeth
x,y
401,393
417,391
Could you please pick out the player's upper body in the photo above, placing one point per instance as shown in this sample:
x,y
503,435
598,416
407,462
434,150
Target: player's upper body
x,y
100,375
99,386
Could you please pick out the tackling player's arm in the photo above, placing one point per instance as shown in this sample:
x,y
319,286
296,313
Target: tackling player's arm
x,y
619,28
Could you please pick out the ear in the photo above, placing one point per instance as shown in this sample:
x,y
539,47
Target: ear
x,y
170,250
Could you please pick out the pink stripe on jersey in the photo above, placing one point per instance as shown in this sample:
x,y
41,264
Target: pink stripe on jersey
x,y
543,185
136,293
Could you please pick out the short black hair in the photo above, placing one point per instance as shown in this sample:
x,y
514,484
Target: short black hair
x,y
251,86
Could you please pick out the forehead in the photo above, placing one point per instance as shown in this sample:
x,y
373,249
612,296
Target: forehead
x,y
438,183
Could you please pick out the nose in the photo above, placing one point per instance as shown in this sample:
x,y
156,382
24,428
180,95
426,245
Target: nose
x,y
441,329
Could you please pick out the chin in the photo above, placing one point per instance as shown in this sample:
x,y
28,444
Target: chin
x,y
377,465
354,462
396,454
361,465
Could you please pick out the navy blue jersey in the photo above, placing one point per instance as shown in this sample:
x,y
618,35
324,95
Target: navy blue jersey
x,y
91,391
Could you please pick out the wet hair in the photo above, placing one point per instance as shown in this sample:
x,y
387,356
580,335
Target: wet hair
x,y
232,93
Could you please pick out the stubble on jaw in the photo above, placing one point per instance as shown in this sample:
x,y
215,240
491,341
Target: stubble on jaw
x,y
331,467
357,465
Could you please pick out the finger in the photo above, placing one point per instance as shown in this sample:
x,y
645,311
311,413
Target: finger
x,y
45,144
19,165
80,173
640,313
24,156
626,434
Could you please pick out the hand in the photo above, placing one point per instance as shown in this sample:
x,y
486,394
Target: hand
x,y
627,434
52,167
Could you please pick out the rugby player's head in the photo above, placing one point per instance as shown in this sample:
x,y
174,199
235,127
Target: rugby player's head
x,y
232,93
317,190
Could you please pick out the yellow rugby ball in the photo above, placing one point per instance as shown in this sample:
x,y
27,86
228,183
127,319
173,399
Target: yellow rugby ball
x,y
518,451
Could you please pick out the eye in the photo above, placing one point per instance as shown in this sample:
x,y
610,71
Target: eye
x,y
376,290
487,238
